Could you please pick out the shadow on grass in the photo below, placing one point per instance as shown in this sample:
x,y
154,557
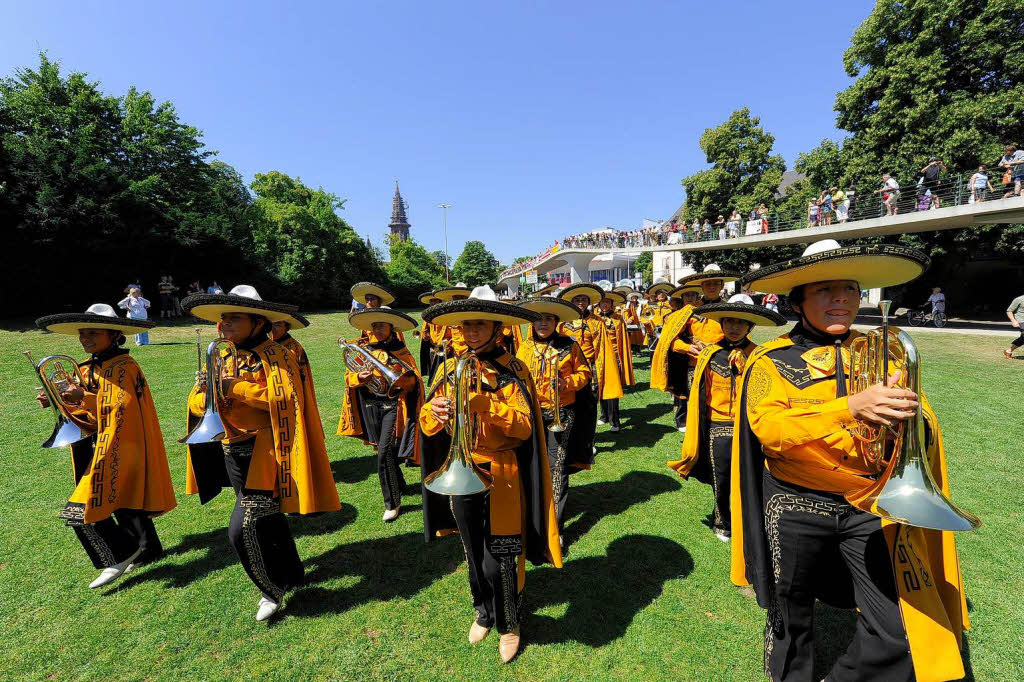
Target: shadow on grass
x,y
638,428
354,469
387,568
590,503
604,593
217,553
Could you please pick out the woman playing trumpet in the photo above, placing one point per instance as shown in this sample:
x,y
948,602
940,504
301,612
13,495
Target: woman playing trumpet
x,y
384,420
562,378
515,520
121,475
265,452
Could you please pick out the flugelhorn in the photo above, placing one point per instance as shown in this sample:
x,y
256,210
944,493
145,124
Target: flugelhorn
x,y
211,427
549,359
906,491
55,379
459,474
383,379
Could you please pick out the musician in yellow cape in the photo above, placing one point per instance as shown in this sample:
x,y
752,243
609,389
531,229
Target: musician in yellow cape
x,y
443,339
795,536
121,475
630,312
551,359
614,329
676,351
385,420
426,335
654,311
714,399
264,452
515,519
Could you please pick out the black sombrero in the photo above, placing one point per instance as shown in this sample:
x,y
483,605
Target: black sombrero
x,y
456,312
592,291
710,272
549,305
749,312
679,291
242,299
872,266
359,291
616,297
426,297
364,319
296,321
97,316
656,287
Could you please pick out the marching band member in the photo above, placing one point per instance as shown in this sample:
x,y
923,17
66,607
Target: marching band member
x,y
121,475
516,518
795,536
547,355
428,351
630,312
372,296
654,311
711,281
674,355
615,333
268,457
445,339
385,421
714,398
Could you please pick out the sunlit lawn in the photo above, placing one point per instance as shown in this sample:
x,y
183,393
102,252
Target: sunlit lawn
x,y
644,593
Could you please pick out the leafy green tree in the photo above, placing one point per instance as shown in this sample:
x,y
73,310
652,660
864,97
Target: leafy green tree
x,y
644,264
476,265
413,270
444,260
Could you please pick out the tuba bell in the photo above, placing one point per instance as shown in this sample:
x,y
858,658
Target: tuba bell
x,y
55,378
906,491
384,380
459,474
211,427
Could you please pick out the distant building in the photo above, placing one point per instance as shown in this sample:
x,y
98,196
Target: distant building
x,y
399,223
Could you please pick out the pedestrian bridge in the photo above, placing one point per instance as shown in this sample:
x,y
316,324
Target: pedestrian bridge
x,y
993,212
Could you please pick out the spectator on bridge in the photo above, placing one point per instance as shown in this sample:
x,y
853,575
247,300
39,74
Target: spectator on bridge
x,y
825,208
812,213
980,184
932,182
1016,314
762,214
890,191
734,224
707,228
1013,162
842,203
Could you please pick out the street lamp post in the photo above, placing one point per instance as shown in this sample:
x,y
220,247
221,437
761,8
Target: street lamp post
x,y
444,221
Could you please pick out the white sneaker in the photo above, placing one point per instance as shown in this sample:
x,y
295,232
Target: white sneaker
x,y
614,429
594,449
108,575
265,609
391,514
721,536
601,422
682,429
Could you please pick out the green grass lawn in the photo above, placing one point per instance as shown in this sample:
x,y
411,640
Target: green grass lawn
x,y
644,593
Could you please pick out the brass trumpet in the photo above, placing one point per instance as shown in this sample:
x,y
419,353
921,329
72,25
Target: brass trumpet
x,y
211,428
55,379
383,380
459,474
906,491
549,359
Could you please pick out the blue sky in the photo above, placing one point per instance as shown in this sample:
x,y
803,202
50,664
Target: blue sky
x,y
533,119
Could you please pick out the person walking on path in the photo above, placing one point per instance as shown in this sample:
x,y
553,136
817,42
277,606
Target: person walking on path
x,y
166,289
1016,314
136,307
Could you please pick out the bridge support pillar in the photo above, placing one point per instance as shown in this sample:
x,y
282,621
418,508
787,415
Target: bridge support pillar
x,y
578,267
512,284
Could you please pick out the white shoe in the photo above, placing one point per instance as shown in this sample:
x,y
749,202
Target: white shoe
x,y
265,609
108,575
391,514
721,536
682,429
594,449
614,429
601,422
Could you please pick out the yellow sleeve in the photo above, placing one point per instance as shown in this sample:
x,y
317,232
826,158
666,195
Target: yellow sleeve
x,y
197,402
778,425
252,394
680,346
352,379
429,425
579,371
510,411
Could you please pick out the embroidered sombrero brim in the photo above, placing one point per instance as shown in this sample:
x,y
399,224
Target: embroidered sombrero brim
x,y
210,307
872,266
549,305
427,297
754,314
364,319
660,286
360,290
679,291
625,291
591,291
71,323
615,297
449,293
457,312
296,321
699,277
545,290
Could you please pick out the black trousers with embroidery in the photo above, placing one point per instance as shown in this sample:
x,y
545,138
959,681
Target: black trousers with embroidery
x,y
493,563
380,415
557,443
817,536
610,412
679,411
259,532
115,539
720,449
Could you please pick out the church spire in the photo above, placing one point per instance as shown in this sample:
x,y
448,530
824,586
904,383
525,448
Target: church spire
x,y
399,223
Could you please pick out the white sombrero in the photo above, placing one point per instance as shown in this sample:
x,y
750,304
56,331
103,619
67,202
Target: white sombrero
x,y
242,299
872,266
96,316
742,307
482,304
360,290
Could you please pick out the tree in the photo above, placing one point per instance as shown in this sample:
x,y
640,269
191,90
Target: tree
x,y
644,264
476,265
413,270
444,260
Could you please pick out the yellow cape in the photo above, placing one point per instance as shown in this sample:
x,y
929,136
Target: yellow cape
x,y
674,324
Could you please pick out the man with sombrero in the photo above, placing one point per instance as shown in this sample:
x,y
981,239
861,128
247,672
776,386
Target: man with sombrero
x,y
445,341
121,475
711,281
267,452
554,358
426,336
676,351
714,399
385,420
653,313
372,296
515,519
630,313
794,535
622,364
